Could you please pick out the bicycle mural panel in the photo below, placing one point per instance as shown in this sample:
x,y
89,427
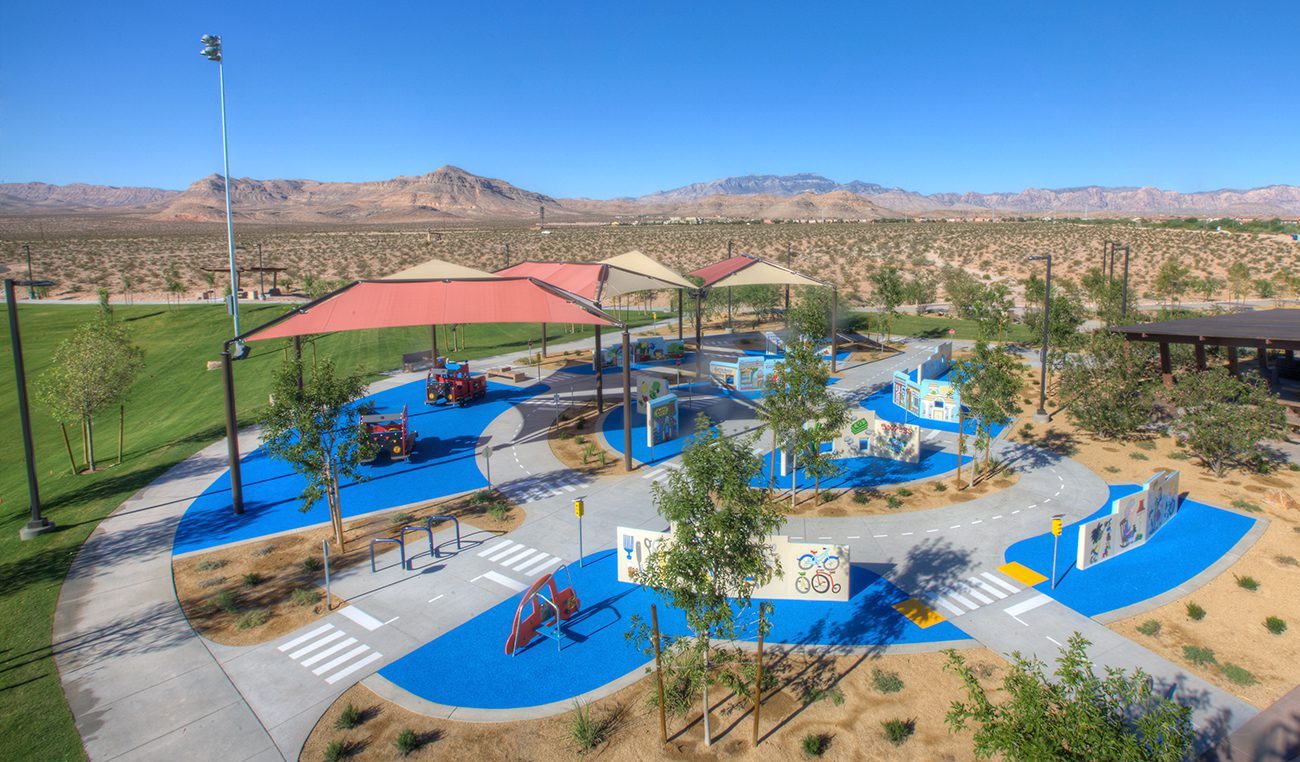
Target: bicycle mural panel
x,y
895,441
809,570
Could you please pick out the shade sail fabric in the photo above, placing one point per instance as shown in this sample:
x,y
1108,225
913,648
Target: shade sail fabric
x,y
597,281
748,270
637,262
438,269
392,304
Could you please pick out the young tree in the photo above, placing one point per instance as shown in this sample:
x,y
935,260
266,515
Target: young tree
x,y
811,315
921,290
962,288
1207,286
887,294
989,385
718,552
1073,715
829,415
1238,280
1172,281
991,310
316,430
1224,420
795,395
762,300
92,370
1109,389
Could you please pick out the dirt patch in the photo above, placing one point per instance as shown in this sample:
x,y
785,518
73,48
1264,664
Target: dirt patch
x,y
936,493
575,440
258,591
833,697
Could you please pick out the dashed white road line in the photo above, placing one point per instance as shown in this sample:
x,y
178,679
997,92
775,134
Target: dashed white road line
x,y
435,600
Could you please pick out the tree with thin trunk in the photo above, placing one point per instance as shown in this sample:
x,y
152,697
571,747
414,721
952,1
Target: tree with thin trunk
x,y
888,291
316,430
795,394
1225,420
92,370
1109,390
989,385
718,550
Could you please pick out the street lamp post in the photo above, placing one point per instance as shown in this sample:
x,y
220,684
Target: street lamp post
x,y
212,51
38,523
1041,415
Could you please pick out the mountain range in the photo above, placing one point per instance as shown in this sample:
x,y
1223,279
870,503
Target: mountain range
x,y
451,194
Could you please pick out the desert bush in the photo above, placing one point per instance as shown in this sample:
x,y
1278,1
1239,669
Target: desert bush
x,y
1247,582
886,681
311,565
1238,675
898,731
306,597
815,744
338,749
407,741
1275,625
253,579
1195,612
1149,627
224,600
252,620
1199,655
349,718
210,564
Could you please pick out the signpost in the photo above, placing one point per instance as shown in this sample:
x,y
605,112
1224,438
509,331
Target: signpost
x,y
578,510
487,462
1056,541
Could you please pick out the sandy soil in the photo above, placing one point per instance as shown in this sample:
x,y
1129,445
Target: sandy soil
x,y
575,440
1234,623
850,712
280,567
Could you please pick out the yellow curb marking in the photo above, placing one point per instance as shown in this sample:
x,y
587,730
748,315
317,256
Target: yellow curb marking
x,y
921,615
1022,574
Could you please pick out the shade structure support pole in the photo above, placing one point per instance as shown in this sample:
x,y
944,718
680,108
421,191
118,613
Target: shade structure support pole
x,y
433,331
627,400
835,310
297,357
599,361
1200,356
38,524
1166,365
730,325
699,336
1232,361
543,341
232,434
681,311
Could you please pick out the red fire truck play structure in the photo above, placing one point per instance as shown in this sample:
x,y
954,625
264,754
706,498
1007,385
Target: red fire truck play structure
x,y
391,433
454,386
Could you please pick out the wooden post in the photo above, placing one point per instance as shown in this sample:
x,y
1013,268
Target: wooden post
x,y
297,357
68,444
543,341
758,675
1166,366
1261,354
1200,356
121,431
1232,361
659,677
730,327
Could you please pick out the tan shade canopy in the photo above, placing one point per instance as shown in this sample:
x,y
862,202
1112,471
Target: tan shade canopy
x,y
438,269
596,281
635,261
749,270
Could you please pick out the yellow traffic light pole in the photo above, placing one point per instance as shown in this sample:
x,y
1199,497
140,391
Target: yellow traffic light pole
x,y
1056,541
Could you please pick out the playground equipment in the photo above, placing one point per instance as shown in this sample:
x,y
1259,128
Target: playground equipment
x,y
454,385
391,433
542,611
927,396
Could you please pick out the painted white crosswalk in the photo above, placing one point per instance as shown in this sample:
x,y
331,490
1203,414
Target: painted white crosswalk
x,y
329,652
969,594
518,559
542,486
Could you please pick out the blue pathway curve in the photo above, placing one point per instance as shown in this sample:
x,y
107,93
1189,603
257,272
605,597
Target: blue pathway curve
x,y
468,666
443,464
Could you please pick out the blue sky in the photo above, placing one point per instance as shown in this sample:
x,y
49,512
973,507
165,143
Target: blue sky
x,y
612,99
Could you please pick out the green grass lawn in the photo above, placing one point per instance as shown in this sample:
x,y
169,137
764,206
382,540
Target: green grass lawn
x,y
927,327
174,409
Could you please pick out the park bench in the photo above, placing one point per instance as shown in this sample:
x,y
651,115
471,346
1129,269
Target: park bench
x,y
412,359
506,372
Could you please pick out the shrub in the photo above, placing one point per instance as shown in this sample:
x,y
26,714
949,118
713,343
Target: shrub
x,y
338,749
580,440
1112,469
585,731
400,518
861,497
214,582
349,718
1246,505
1195,612
898,731
1145,444
253,579
407,741
499,511
264,550
306,597
1198,655
813,694
904,492
1238,675
1027,428
1293,466
886,681
566,434
210,564
224,600
815,744
1275,625
1287,561
311,565
252,619
940,487
1179,455
1247,583
1149,627
893,501
1135,455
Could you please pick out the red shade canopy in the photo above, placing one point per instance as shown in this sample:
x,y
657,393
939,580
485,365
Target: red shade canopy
x,y
392,304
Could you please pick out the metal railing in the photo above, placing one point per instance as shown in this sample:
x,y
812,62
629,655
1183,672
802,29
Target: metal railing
x,y
400,545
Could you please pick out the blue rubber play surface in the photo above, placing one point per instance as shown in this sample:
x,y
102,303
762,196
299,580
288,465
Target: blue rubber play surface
x,y
839,356
616,371
881,402
865,471
443,464
468,666
1193,540
612,428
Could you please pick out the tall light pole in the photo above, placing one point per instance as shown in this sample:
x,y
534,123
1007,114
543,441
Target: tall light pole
x,y
1041,415
212,51
38,524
